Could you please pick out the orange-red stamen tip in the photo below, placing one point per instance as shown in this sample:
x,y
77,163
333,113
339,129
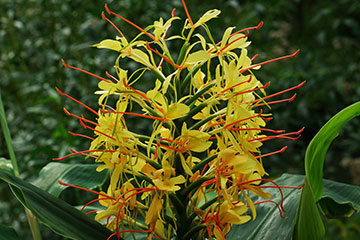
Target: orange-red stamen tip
x,y
259,25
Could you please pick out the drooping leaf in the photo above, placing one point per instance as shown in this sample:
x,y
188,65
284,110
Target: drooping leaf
x,y
55,213
343,203
8,233
316,151
83,175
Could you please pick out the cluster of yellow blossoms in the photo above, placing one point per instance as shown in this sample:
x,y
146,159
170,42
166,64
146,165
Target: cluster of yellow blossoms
x,y
192,177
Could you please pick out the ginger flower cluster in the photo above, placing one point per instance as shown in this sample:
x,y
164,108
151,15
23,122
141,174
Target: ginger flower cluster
x,y
194,175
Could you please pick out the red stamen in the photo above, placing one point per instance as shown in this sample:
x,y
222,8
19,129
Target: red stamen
x,y
77,101
94,211
243,30
89,73
222,234
122,204
187,13
227,45
129,22
80,118
259,129
252,90
85,189
278,101
117,29
254,57
281,92
163,56
266,180
227,89
112,77
279,136
269,61
81,152
80,135
92,201
244,119
272,153
93,129
274,203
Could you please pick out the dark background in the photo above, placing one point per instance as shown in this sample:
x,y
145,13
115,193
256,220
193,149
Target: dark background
x,y
36,34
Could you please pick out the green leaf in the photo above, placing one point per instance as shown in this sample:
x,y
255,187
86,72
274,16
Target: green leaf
x,y
316,151
55,213
343,203
83,175
308,223
7,233
268,223
6,165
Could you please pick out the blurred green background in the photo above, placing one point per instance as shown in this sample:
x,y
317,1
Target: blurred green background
x,y
36,34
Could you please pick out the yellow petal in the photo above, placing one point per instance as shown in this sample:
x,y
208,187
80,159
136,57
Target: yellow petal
x,y
109,44
207,16
177,110
198,57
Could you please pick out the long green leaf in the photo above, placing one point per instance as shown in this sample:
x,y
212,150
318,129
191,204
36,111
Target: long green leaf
x,y
316,151
8,233
83,175
55,213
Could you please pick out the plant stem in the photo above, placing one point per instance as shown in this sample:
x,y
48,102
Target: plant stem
x,y
7,137
34,227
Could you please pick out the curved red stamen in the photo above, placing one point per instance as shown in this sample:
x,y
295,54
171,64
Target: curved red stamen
x,y
92,201
81,70
117,29
187,13
272,153
129,22
77,101
269,61
274,203
85,189
266,180
122,204
94,211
